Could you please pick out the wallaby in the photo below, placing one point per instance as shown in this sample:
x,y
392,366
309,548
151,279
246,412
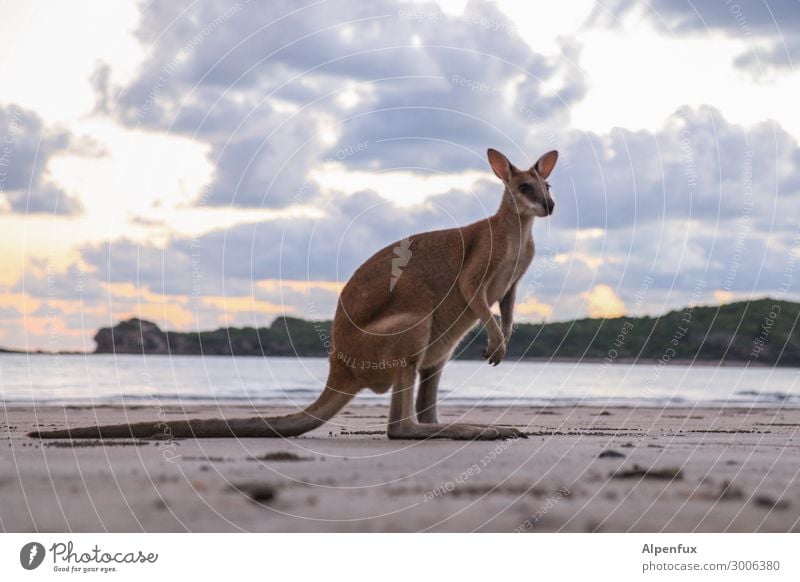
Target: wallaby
x,y
400,317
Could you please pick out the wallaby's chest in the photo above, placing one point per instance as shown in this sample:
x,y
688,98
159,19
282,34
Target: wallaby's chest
x,y
509,266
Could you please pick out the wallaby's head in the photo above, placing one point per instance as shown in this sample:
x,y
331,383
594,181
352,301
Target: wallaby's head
x,y
529,189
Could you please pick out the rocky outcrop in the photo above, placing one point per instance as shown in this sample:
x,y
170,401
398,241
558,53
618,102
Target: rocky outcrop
x,y
134,336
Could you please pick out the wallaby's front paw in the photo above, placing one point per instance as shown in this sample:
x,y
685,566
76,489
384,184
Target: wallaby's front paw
x,y
495,355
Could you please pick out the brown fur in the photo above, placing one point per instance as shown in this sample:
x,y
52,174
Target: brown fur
x,y
401,315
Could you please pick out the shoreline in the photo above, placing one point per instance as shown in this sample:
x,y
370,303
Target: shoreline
x,y
583,468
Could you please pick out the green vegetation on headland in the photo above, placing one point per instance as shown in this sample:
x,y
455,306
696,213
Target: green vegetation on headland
x,y
759,331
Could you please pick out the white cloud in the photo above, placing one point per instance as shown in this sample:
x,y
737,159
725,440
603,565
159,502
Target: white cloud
x,y
140,176
51,49
602,301
638,73
403,187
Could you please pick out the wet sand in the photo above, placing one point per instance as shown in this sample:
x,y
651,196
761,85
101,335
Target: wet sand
x,y
581,469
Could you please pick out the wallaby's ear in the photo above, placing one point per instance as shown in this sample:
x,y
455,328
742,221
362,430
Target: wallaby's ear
x,y
546,164
500,165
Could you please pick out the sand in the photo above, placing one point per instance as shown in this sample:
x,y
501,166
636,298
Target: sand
x,y
582,469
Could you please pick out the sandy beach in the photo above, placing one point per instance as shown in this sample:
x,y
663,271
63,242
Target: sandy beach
x,y
582,469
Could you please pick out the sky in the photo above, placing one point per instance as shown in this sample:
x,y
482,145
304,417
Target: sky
x,y
207,164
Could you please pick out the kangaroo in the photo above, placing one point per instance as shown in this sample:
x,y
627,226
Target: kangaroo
x,y
401,316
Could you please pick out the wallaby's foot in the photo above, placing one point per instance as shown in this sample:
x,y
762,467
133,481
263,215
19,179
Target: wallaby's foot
x,y
506,432
461,432
495,353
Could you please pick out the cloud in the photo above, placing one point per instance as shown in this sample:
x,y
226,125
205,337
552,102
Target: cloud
x,y
698,166
777,54
763,18
602,301
532,308
297,249
276,89
770,29
26,146
722,297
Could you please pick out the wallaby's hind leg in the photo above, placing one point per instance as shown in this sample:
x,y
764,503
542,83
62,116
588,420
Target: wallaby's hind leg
x,y
403,425
428,394
427,400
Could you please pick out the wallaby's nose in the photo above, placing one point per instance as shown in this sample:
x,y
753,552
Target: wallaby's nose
x,y
549,205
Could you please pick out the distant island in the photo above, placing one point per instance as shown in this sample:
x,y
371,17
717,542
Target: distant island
x,y
758,331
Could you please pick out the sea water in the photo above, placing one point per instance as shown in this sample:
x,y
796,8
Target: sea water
x,y
116,379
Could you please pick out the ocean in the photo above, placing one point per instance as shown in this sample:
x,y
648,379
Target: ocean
x,y
132,379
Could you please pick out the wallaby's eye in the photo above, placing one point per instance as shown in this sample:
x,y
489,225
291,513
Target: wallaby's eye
x,y
525,188
547,184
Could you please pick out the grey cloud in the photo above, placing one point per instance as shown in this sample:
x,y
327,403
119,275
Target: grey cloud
x,y
44,282
26,145
779,54
697,166
329,249
776,22
9,313
225,76
656,269
767,18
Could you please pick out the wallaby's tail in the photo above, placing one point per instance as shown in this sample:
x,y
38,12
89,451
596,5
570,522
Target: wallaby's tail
x,y
323,409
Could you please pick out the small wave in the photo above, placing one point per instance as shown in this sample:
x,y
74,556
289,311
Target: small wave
x,y
782,397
